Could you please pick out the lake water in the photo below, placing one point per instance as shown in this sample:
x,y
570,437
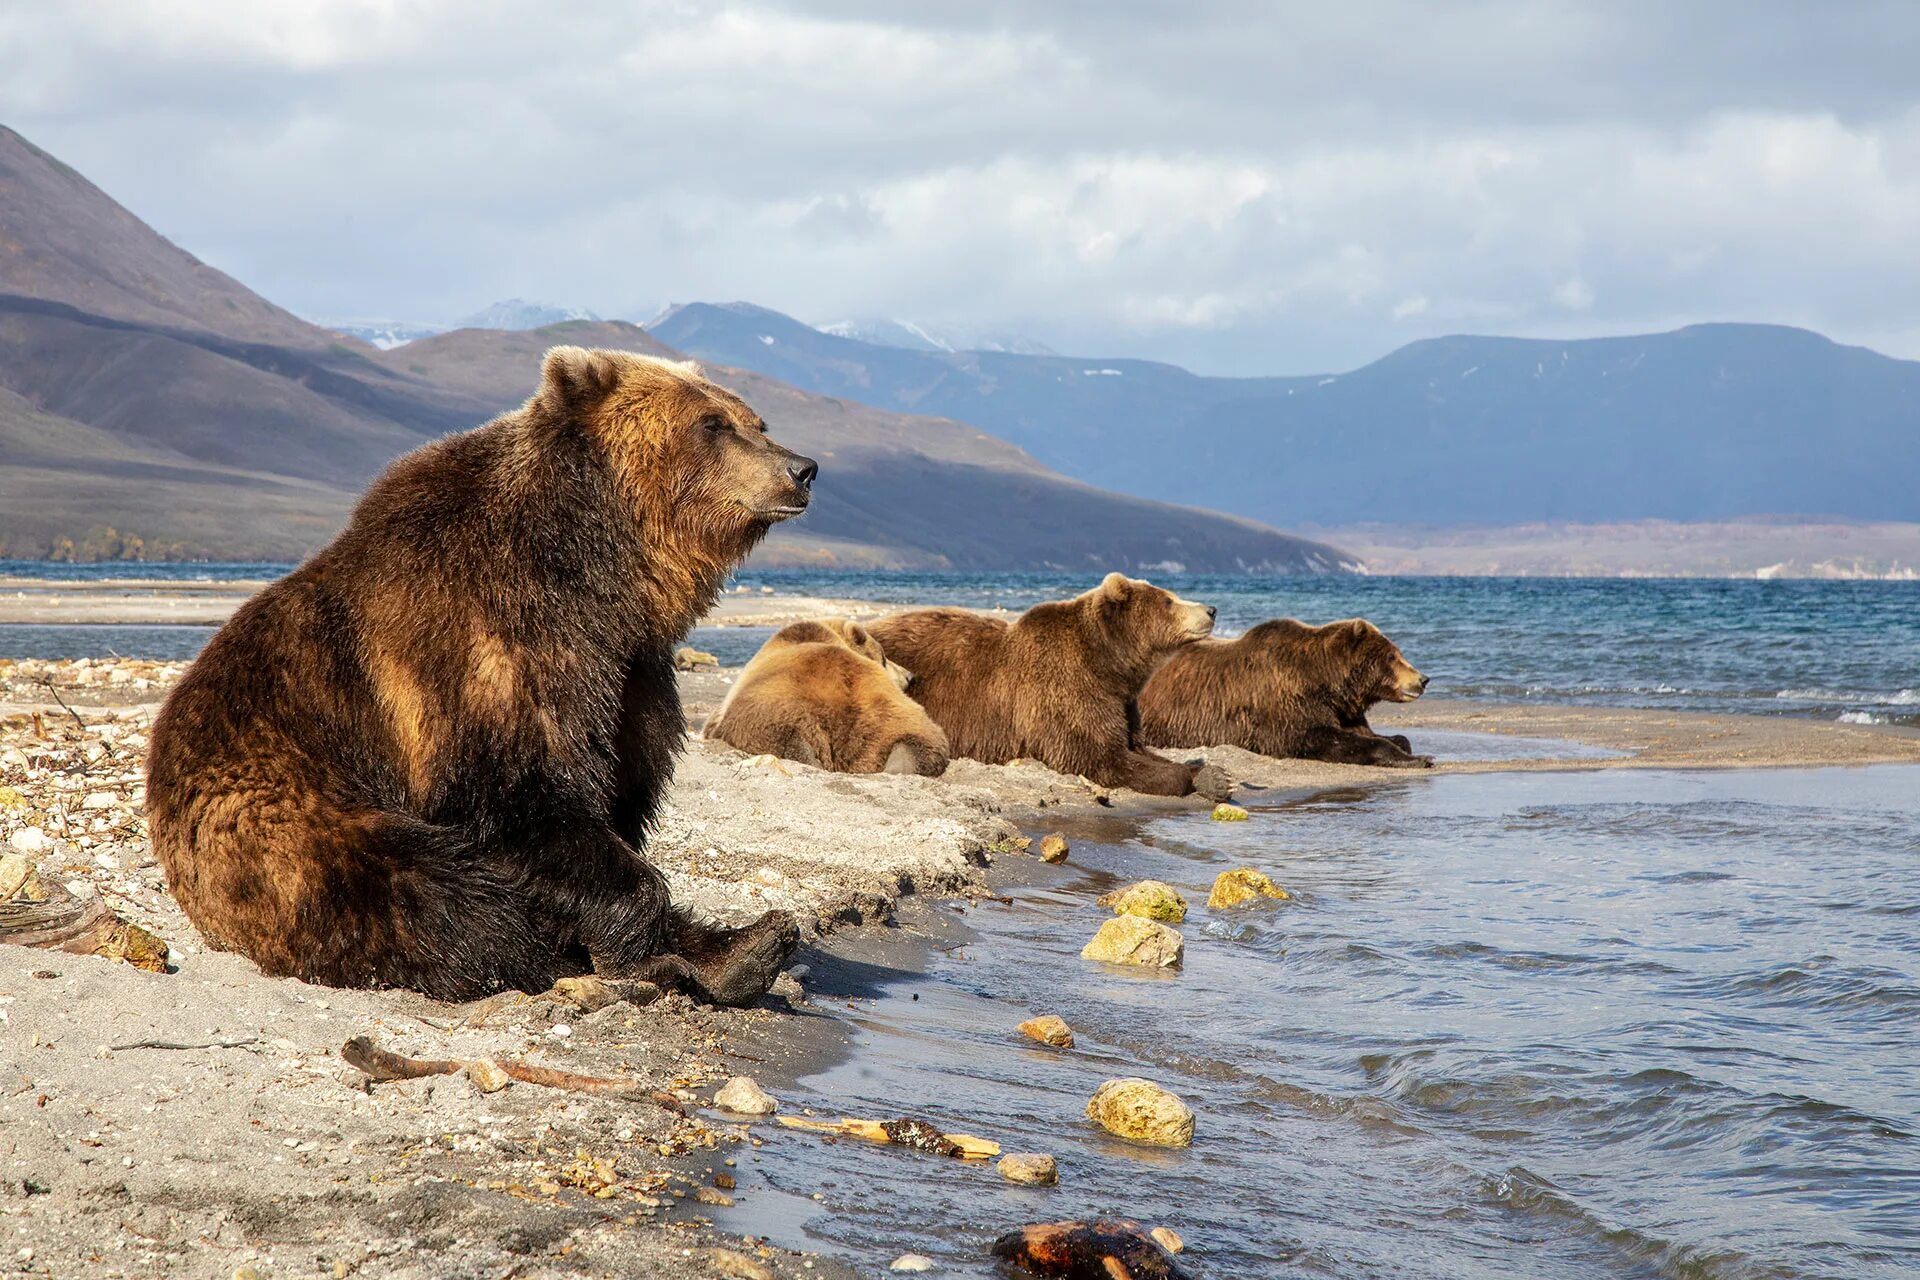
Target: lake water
x,y
1631,1023
1834,650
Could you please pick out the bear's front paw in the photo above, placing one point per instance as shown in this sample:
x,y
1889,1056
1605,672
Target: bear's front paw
x,y
1212,783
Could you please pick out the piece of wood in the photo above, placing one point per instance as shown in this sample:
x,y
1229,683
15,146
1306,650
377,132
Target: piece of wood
x,y
382,1065
1104,1249
41,913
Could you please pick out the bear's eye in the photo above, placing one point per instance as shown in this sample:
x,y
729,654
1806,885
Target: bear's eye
x,y
714,424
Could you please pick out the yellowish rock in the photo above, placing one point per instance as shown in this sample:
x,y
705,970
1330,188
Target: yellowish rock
x,y
743,1096
1141,1111
1149,899
586,993
1167,1238
1053,848
1029,1168
1229,813
1048,1029
1133,940
1241,885
487,1075
731,1262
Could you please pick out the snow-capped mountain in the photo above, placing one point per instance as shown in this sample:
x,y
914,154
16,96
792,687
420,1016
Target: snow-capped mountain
x,y
911,335
518,313
384,334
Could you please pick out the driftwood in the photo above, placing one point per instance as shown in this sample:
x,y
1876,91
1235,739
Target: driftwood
x,y
1105,1249
41,913
917,1135
381,1065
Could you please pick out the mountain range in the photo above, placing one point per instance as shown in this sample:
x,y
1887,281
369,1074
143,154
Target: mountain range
x,y
153,406
1704,423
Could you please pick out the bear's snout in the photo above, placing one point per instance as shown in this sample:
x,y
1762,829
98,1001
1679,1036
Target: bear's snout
x,y
1408,682
796,474
1197,619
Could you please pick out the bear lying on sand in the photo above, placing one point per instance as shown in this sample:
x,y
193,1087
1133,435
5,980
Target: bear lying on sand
x,y
429,756
1057,684
825,694
1285,689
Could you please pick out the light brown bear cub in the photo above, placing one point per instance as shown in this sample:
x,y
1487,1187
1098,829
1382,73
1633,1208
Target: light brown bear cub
x,y
1057,684
1285,689
823,693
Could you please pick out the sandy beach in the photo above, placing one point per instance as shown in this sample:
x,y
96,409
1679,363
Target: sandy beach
x,y
201,1122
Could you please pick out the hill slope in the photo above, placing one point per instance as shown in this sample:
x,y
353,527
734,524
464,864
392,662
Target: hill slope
x,y
150,403
1706,422
907,491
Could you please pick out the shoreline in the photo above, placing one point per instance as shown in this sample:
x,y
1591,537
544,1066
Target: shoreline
x,y
274,1151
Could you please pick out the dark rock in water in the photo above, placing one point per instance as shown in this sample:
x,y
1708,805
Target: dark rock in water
x,y
920,1136
1105,1249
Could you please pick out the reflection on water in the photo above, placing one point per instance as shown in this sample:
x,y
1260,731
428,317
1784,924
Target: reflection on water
x,y
1624,1023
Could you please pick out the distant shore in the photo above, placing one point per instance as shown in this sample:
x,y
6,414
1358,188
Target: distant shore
x,y
147,602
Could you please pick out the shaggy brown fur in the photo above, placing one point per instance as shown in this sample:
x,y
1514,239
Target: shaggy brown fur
x,y
1057,684
1285,689
824,693
430,755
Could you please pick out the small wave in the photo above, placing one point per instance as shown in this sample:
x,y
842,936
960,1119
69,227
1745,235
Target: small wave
x,y
1862,717
1522,1190
1898,698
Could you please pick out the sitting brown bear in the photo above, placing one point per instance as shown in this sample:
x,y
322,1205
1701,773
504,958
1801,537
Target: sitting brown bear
x,y
825,694
1285,689
429,756
1057,684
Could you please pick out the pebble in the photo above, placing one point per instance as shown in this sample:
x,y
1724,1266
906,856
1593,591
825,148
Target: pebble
x,y
743,1096
1149,899
1141,1111
1048,1029
1167,1238
1243,884
1133,940
30,841
1053,848
1229,813
1030,1168
911,1262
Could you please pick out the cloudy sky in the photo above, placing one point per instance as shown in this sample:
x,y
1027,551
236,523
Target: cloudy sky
x,y
1241,187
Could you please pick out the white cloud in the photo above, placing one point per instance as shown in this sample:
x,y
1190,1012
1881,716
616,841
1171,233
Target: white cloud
x,y
1242,190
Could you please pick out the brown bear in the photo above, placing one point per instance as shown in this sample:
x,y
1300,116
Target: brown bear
x,y
1285,689
429,757
1057,684
824,693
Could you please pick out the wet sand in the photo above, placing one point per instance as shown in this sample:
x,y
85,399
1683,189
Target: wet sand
x,y
258,1146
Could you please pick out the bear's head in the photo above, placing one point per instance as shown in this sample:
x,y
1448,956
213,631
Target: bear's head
x,y
695,462
1352,658
1143,621
846,634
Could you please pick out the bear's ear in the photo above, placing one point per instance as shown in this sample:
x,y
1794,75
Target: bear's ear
x,y
574,379
857,634
1115,586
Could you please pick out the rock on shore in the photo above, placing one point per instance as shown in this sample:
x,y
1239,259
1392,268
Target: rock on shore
x,y
1141,1111
1148,899
1134,940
